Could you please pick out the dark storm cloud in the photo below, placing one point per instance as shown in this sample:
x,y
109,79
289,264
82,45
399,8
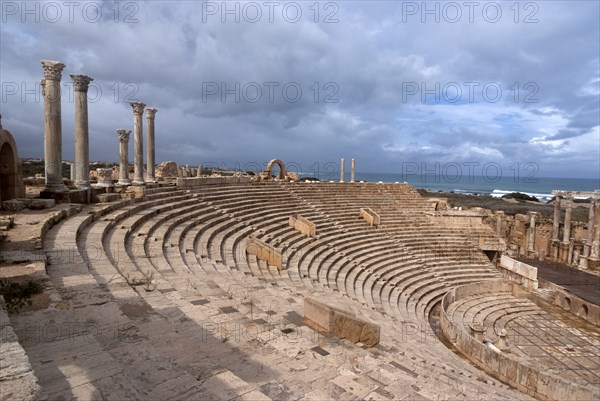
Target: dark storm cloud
x,y
227,92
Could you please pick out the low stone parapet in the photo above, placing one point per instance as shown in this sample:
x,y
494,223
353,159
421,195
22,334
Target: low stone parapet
x,y
195,182
303,225
17,378
557,295
264,251
370,216
342,324
519,272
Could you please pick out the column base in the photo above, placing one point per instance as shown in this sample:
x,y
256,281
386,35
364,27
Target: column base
x,y
83,184
124,182
104,185
593,263
56,188
138,182
564,252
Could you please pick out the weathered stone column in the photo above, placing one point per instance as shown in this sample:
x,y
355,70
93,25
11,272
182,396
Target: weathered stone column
x,y
531,232
52,125
499,218
595,249
571,249
150,148
81,84
342,170
567,228
72,171
587,247
124,157
138,143
556,220
353,170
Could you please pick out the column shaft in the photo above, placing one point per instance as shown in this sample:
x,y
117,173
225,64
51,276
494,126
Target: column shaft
x,y
150,148
82,144
595,249
567,228
531,233
138,143
499,217
556,221
342,170
52,125
124,157
353,171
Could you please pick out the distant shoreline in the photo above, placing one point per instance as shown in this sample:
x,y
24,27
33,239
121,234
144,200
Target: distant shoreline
x,y
509,206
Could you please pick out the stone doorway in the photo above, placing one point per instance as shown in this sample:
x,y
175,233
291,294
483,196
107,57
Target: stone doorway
x,y
11,182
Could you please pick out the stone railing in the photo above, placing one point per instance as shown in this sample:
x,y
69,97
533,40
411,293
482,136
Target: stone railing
x,y
264,251
557,295
303,225
370,216
506,367
342,324
519,272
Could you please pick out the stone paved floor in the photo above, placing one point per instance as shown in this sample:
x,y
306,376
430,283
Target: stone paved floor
x,y
580,283
569,348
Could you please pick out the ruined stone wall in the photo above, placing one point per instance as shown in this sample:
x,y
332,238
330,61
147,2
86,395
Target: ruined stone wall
x,y
515,230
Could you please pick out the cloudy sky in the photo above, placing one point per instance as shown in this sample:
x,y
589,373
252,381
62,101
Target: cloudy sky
x,y
387,82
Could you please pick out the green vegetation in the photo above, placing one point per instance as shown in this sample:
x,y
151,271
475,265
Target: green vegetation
x,y
17,295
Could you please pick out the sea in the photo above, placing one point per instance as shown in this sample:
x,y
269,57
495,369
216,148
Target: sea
x,y
540,187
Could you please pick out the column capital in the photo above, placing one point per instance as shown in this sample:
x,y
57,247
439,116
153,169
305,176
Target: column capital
x,y
138,107
81,83
52,69
123,135
150,113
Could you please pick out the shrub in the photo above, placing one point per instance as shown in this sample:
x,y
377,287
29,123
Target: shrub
x,y
17,295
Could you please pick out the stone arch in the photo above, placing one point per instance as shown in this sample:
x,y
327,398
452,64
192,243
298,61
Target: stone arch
x,y
11,180
566,303
281,165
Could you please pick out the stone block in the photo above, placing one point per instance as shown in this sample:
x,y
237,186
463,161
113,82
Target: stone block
x,y
13,205
326,319
370,216
318,316
38,204
303,225
264,251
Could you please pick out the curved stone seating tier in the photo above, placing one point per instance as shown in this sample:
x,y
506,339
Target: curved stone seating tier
x,y
179,258
557,356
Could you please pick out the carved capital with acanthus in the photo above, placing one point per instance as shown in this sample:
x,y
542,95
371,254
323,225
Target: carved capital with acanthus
x,y
138,107
123,135
52,69
81,83
150,113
